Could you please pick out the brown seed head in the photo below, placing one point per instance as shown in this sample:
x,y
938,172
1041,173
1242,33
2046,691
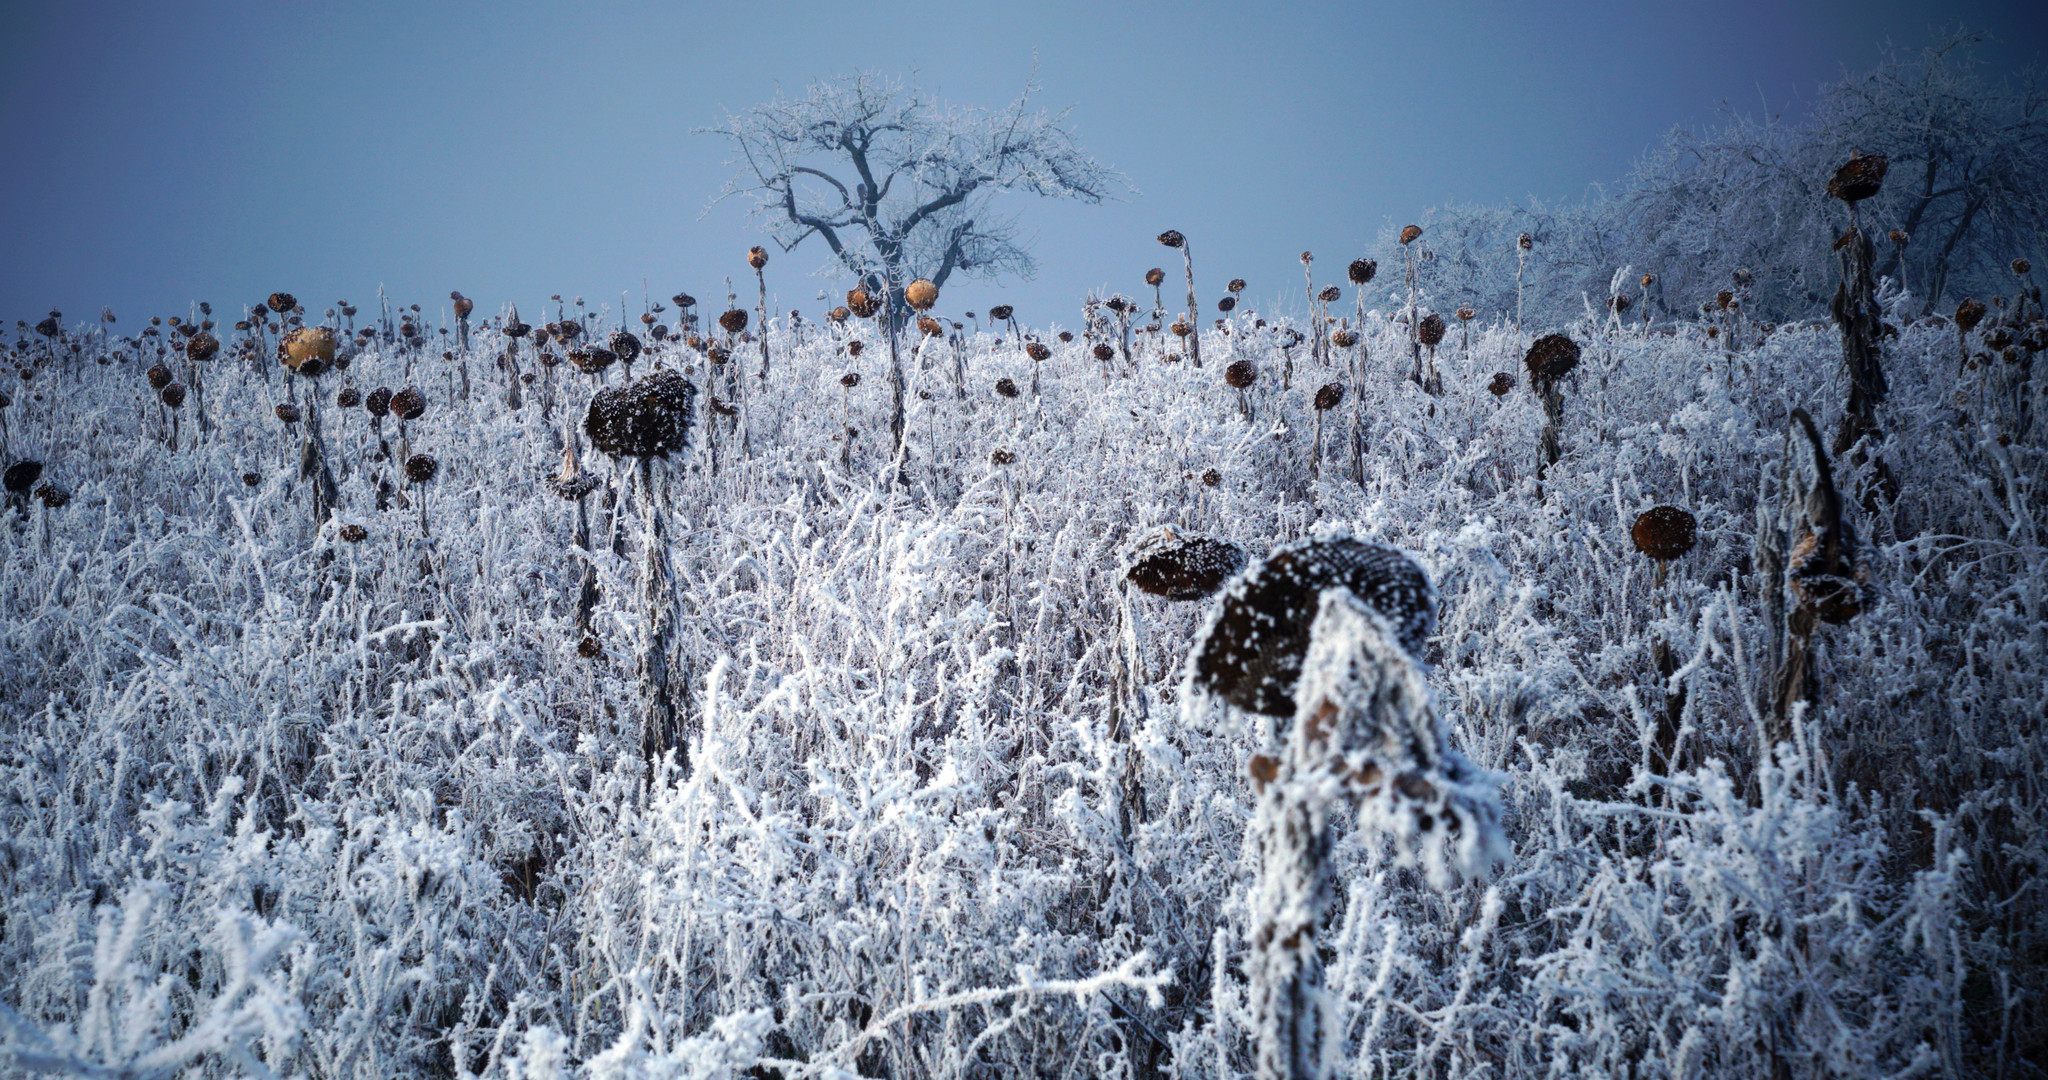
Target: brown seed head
x,y
1038,351
159,377
349,397
1001,313
1236,286
53,494
421,468
1861,177
1154,276
281,302
1525,242
1241,374
2021,267
1466,314
1431,330
1664,532
1900,237
354,534
378,402
929,326
1211,477
1006,388
1329,396
287,412
1181,328
646,418
1330,294
201,347
1410,234
921,294
1501,384
1104,352
21,476
1003,457
1172,238
1165,563
1361,271
463,306
1251,652
851,379
309,349
1969,313
625,345
733,321
251,479
1552,356
1226,304
862,304
173,394
757,256
1344,338
409,403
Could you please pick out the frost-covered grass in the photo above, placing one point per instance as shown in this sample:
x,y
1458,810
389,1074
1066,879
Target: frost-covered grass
x,y
279,803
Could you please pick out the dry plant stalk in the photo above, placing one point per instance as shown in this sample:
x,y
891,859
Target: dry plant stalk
x,y
1174,239
1364,737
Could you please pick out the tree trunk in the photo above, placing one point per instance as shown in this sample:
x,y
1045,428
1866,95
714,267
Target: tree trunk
x,y
1939,279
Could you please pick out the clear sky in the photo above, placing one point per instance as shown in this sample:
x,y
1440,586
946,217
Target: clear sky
x,y
156,154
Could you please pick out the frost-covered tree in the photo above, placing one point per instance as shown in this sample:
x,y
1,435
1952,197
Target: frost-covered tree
x,y
1968,191
900,187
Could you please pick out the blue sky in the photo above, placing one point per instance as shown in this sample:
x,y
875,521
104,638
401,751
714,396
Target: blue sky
x,y
160,154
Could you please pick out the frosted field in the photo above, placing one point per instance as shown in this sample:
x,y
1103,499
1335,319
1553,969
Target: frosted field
x,y
279,803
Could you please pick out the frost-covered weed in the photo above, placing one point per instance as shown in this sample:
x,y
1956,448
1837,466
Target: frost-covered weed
x,y
274,801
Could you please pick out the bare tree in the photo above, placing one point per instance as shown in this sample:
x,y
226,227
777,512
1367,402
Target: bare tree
x,y
1968,193
1969,160
899,187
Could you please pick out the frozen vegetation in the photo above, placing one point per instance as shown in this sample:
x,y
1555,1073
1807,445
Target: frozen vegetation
x,y
656,693
937,802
